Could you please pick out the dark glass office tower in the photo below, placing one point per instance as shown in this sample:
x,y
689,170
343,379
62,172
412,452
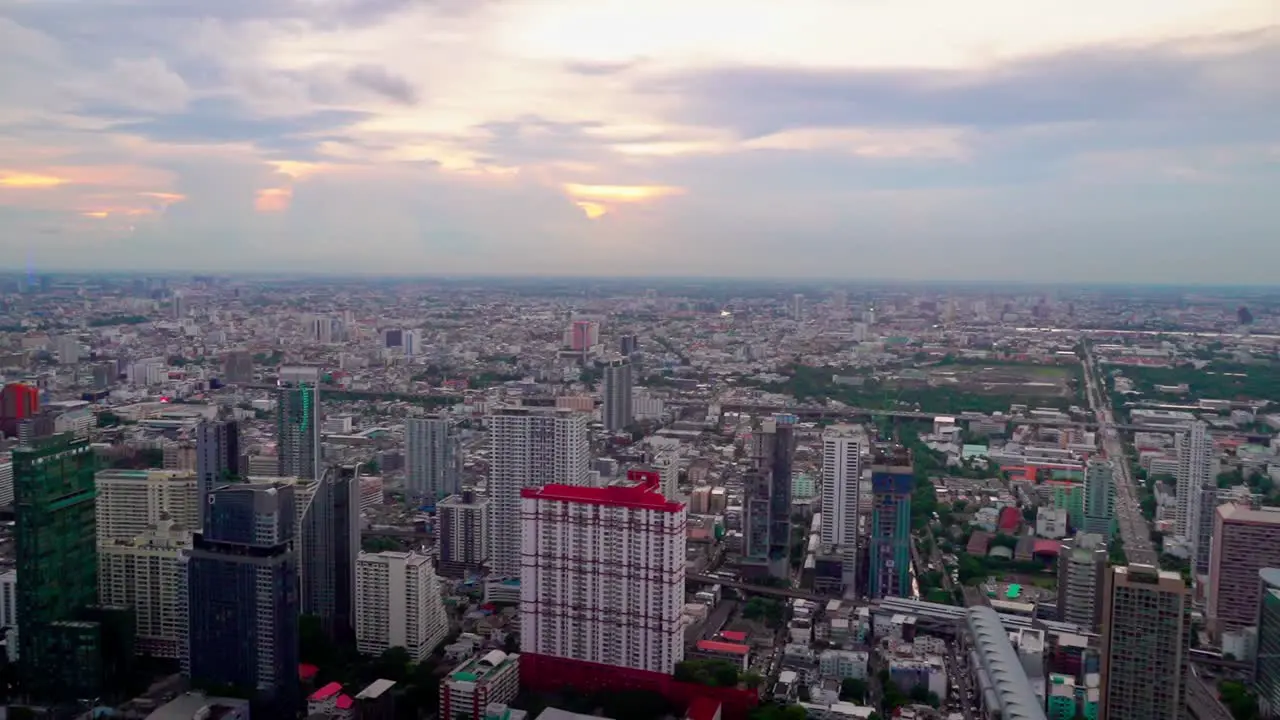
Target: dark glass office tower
x,y
217,456
767,512
242,592
331,542
64,653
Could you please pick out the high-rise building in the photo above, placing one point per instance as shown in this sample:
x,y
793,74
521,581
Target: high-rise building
x,y
55,548
668,466
766,514
18,401
1244,542
398,604
433,457
330,542
628,344
242,596
1145,644
131,502
463,534
529,447
797,307
1194,450
180,309
842,450
6,481
617,395
217,455
1266,666
892,483
1099,498
146,574
68,348
237,367
602,576
475,684
1082,577
412,343
582,335
298,430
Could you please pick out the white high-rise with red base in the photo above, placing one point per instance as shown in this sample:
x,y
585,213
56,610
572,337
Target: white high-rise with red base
x,y
602,574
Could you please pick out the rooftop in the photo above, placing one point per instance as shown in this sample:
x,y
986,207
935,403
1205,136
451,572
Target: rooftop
x,y
1018,700
644,496
723,647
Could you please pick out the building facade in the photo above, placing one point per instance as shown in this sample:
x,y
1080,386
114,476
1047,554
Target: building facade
x,y
1082,577
527,448
330,541
298,430
56,560
242,596
131,502
147,574
433,457
616,394
217,456
398,604
463,535
766,511
1145,644
842,449
1266,665
603,572
892,483
1244,542
473,685
1194,451
1099,498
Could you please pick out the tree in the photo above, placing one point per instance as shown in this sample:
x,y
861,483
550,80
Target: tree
x,y
752,680
853,689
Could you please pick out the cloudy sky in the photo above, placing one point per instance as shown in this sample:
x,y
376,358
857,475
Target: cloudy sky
x,y
1105,140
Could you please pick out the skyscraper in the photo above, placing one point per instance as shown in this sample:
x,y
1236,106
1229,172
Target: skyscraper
x,y
1082,578
217,456
243,596
1266,666
433,457
842,448
1244,542
612,595
330,542
892,482
1145,642
18,401
617,395
529,447
57,564
1099,498
1194,450
463,535
146,573
237,367
398,604
767,503
298,430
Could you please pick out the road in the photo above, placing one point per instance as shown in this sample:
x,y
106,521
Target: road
x,y
1202,699
1135,532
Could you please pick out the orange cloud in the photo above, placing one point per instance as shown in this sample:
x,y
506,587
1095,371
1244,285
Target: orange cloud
x,y
295,169
17,179
597,200
273,199
97,214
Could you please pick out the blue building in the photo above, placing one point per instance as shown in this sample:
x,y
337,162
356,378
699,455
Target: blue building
x,y
889,561
242,590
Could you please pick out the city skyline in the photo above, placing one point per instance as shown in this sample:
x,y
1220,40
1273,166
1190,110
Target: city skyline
x,y
1105,144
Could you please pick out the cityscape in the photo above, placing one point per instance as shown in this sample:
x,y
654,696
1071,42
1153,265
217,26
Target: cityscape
x,y
469,498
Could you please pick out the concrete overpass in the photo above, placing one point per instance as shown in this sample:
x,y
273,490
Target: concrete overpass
x,y
749,589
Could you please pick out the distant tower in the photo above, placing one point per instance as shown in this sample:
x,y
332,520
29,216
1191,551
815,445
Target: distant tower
x,y
298,430
217,456
767,505
433,457
1099,498
892,483
617,391
797,307
1145,641
463,533
1194,450
842,449
180,308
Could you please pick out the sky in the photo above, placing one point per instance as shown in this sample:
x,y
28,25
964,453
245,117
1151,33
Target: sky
x,y
1031,140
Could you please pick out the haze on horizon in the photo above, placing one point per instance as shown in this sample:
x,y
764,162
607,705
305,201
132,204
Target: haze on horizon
x,y
911,139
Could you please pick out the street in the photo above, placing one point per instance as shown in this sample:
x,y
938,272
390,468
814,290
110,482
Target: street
x,y
1135,533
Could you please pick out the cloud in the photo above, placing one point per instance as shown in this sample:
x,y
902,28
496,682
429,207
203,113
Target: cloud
x,y
384,83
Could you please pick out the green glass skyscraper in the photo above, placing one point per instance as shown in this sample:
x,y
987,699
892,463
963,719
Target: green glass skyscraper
x,y
57,565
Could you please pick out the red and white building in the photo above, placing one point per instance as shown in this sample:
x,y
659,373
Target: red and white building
x,y
330,702
602,574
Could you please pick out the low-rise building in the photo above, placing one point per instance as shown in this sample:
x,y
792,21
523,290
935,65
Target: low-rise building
x,y
478,682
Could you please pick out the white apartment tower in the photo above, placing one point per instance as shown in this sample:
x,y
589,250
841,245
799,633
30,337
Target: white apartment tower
x,y
433,458
529,448
147,574
398,604
1194,450
616,392
602,574
842,450
131,502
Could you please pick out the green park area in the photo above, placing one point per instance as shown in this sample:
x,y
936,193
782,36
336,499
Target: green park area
x,y
1217,380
